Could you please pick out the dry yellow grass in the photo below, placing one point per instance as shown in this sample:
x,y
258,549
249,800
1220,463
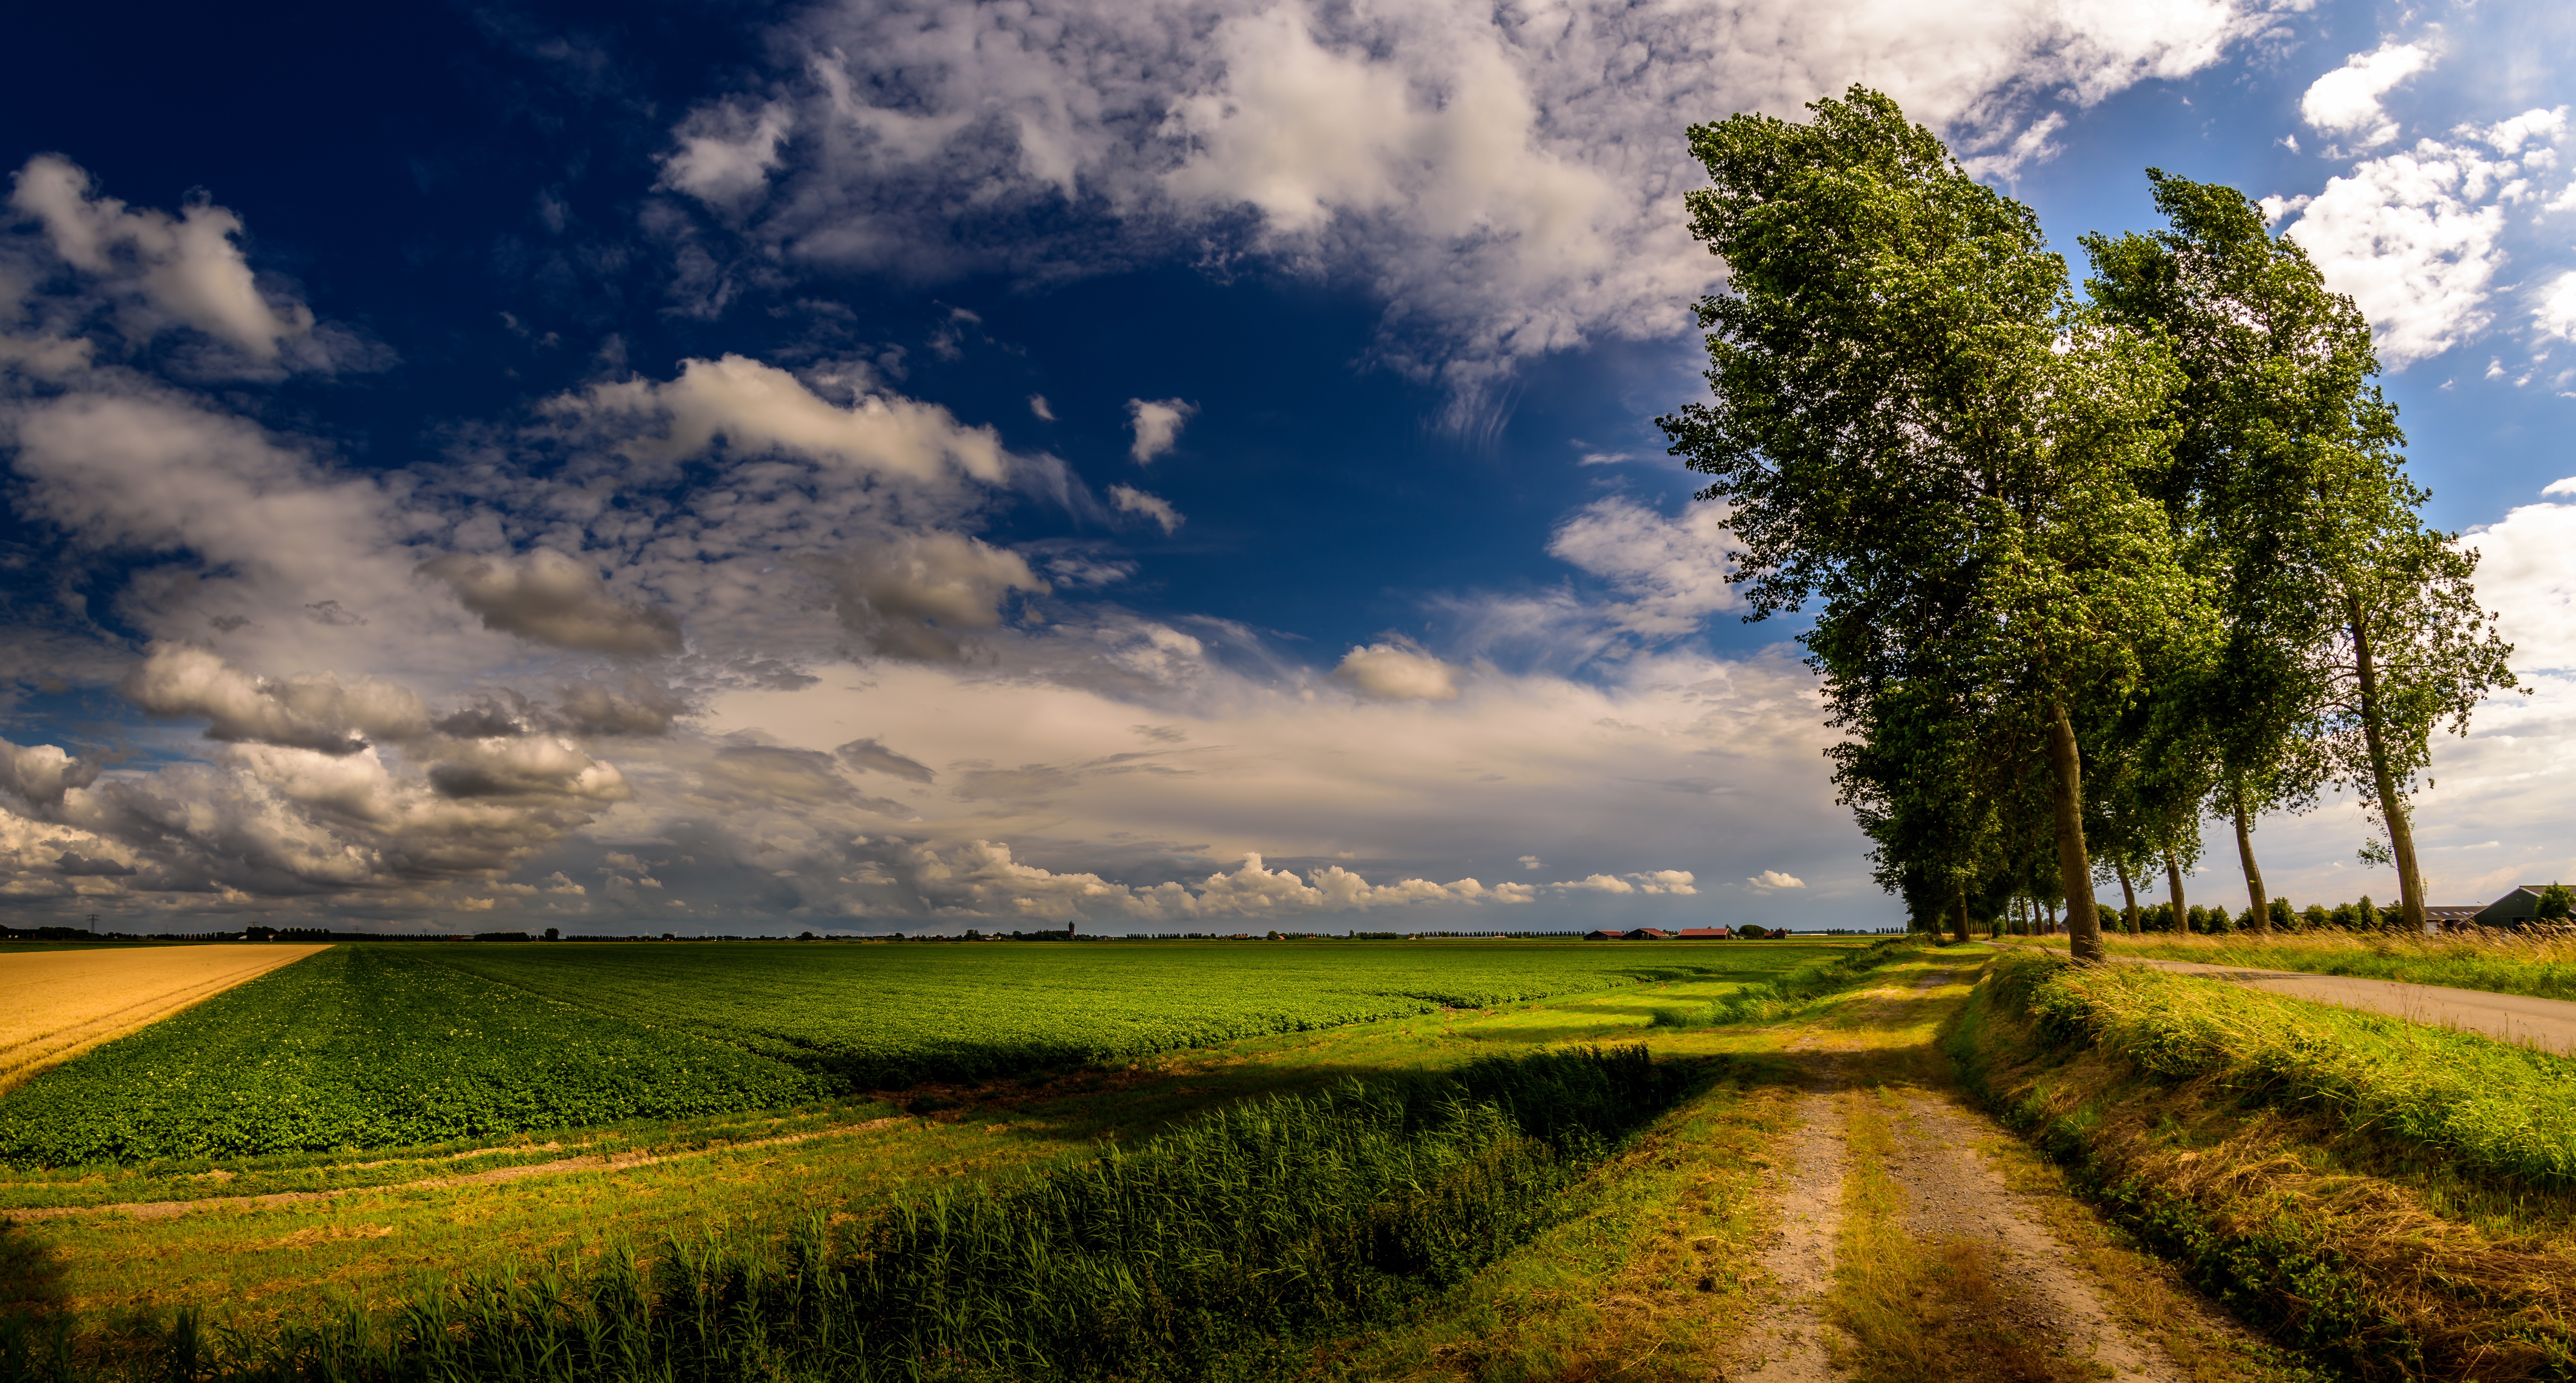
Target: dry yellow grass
x,y
55,1005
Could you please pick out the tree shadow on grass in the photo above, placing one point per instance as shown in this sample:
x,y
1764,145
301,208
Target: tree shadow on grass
x,y
32,1279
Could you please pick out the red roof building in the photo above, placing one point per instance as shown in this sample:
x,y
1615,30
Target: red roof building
x,y
1705,933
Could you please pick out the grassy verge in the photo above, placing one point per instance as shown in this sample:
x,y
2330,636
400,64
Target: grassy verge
x,y
2388,1198
2540,962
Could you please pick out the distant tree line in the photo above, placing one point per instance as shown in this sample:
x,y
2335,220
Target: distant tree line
x,y
2084,572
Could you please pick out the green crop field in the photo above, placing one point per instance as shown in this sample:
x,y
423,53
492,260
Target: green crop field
x,y
370,1047
384,1046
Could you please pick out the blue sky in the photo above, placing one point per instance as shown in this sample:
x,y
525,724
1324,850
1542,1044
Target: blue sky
x,y
1170,467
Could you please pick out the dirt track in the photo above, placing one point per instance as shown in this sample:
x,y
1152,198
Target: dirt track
x,y
54,1005
1951,1191
2548,1024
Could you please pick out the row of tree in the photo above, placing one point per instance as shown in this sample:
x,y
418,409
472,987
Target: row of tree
x,y
2083,571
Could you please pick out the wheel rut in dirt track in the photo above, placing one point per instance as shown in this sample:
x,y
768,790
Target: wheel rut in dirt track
x,y
1951,1191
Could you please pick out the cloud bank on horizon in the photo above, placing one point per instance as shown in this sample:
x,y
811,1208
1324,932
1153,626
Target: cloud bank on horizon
x,y
780,632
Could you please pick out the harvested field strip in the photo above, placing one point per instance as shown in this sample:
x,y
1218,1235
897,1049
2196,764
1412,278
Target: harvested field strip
x,y
2324,1221
54,1005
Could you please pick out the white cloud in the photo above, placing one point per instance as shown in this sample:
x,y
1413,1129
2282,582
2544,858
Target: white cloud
x,y
1131,500
2527,574
1157,425
1773,878
182,270
2560,487
1529,862
726,152
2555,313
1397,672
1674,571
1038,407
751,408
2345,101
1506,181
2406,237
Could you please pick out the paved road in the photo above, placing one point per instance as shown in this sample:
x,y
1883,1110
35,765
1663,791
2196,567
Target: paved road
x,y
2548,1024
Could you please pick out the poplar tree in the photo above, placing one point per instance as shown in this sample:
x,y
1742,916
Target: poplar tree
x,y
2351,630
1924,438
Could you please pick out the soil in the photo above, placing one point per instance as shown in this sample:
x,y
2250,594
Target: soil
x,y
1951,1192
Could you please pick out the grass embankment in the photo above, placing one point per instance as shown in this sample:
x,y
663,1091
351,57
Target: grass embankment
x,y
2396,1199
2540,962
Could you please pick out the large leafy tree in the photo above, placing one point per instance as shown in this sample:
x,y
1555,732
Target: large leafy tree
x,y
1926,440
2350,630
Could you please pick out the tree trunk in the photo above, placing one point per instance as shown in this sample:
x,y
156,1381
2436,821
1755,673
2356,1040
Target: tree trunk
x,y
2128,897
2245,852
2074,870
1961,931
2401,833
2173,883
2049,911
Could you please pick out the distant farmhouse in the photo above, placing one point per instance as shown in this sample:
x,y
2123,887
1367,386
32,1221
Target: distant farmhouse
x,y
2515,909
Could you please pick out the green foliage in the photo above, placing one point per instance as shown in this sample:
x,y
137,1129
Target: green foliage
x,y
366,1046
890,1016
2556,903
2492,1108
379,1046
1203,1253
1920,434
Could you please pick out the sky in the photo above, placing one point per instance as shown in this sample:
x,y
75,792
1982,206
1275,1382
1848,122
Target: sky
x,y
875,467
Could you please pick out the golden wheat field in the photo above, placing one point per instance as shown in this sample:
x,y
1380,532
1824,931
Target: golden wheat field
x,y
54,1005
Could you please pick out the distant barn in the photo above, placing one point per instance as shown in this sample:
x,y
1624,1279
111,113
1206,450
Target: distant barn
x,y
2515,909
1645,934
1705,933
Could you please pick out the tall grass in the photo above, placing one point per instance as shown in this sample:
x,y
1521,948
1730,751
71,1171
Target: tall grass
x,y
2498,1109
2538,961
1209,1252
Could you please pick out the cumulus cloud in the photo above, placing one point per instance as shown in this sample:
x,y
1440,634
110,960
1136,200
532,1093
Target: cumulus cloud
x,y
550,598
752,407
914,597
726,152
2527,575
2418,237
1157,425
315,712
2555,311
164,270
1773,878
2345,102
1131,500
1397,672
39,774
2405,235
1504,182
1675,571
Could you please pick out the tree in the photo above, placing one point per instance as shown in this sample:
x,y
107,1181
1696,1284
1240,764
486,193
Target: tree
x,y
1921,434
2351,629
